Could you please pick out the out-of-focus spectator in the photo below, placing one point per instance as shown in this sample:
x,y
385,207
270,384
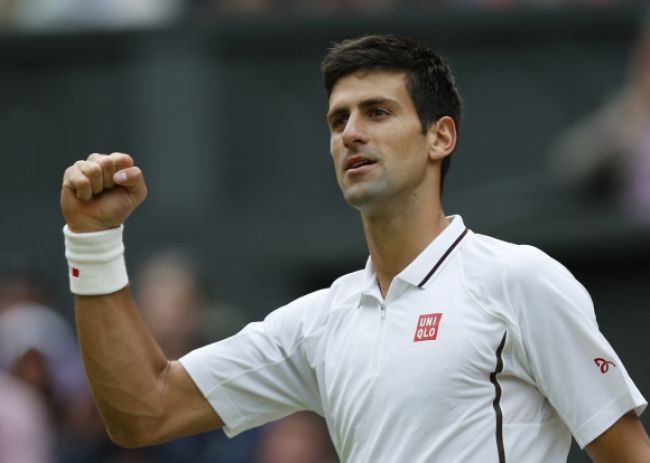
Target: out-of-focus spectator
x,y
19,281
171,299
40,363
607,155
176,304
47,14
25,431
298,438
37,347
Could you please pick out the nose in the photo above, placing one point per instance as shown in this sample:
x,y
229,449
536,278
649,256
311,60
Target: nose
x,y
355,132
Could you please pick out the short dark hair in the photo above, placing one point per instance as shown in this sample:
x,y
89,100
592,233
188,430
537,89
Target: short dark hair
x,y
429,80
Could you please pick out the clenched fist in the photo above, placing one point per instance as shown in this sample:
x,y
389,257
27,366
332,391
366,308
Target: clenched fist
x,y
101,192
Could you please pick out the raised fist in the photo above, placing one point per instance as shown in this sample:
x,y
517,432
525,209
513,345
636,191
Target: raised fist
x,y
101,192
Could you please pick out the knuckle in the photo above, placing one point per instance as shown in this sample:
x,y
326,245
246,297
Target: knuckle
x,y
108,164
69,175
95,156
117,155
91,168
81,182
74,173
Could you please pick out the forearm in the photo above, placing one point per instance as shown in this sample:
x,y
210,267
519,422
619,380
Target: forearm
x,y
625,442
143,398
125,367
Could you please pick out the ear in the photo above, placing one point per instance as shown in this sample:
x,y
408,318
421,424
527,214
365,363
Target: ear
x,y
442,138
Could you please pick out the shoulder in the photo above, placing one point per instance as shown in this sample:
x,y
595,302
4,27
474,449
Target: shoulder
x,y
299,312
484,253
344,287
491,262
311,311
516,276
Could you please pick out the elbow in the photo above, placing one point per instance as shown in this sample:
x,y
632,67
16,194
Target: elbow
x,y
133,435
127,440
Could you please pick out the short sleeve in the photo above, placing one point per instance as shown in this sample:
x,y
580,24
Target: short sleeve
x,y
260,374
570,360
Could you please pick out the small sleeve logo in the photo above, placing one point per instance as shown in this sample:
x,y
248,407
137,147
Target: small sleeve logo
x,y
427,327
603,364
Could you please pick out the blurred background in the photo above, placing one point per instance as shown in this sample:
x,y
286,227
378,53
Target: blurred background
x,y
222,105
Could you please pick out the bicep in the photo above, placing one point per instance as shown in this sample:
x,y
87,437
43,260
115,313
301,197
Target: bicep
x,y
185,410
624,442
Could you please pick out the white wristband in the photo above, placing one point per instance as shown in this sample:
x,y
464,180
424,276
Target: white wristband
x,y
95,261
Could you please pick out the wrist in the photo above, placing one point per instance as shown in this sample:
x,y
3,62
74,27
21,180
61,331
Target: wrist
x,y
95,261
83,227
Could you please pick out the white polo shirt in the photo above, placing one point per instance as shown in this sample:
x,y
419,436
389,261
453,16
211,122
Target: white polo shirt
x,y
482,351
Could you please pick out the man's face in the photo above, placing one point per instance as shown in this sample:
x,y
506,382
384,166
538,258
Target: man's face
x,y
376,139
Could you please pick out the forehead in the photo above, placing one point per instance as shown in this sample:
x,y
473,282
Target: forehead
x,y
366,85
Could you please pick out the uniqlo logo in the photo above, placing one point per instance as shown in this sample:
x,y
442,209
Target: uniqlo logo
x,y
427,328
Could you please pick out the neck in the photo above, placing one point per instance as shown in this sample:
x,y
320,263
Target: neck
x,y
397,236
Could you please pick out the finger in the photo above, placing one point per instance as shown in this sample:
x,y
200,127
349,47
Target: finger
x,y
93,171
108,166
122,160
111,163
75,181
132,179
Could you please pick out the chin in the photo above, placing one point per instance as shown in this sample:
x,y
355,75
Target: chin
x,y
361,198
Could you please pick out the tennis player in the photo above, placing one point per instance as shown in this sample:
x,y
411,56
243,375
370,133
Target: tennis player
x,y
450,346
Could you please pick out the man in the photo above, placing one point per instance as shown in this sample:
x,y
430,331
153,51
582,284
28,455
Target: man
x,y
450,346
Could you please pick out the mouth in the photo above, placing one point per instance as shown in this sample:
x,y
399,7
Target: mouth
x,y
357,162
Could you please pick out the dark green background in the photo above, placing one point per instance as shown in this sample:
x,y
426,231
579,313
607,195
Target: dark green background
x,y
227,120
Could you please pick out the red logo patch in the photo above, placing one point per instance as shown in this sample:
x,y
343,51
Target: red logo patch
x,y
75,272
427,328
603,364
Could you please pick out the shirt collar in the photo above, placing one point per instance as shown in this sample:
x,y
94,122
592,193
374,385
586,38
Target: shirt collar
x,y
424,266
369,284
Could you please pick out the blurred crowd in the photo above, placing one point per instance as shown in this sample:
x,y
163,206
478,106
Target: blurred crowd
x,y
66,14
47,414
605,157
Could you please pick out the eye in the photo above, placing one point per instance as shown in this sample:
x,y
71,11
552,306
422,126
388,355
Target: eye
x,y
338,122
377,112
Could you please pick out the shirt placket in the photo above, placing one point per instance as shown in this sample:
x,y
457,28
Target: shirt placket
x,y
376,358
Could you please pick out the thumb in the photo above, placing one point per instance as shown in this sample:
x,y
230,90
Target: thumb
x,y
132,180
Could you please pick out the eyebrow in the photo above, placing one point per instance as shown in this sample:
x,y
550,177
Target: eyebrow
x,y
363,104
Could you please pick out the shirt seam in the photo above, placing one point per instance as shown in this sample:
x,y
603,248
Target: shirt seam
x,y
250,370
476,301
